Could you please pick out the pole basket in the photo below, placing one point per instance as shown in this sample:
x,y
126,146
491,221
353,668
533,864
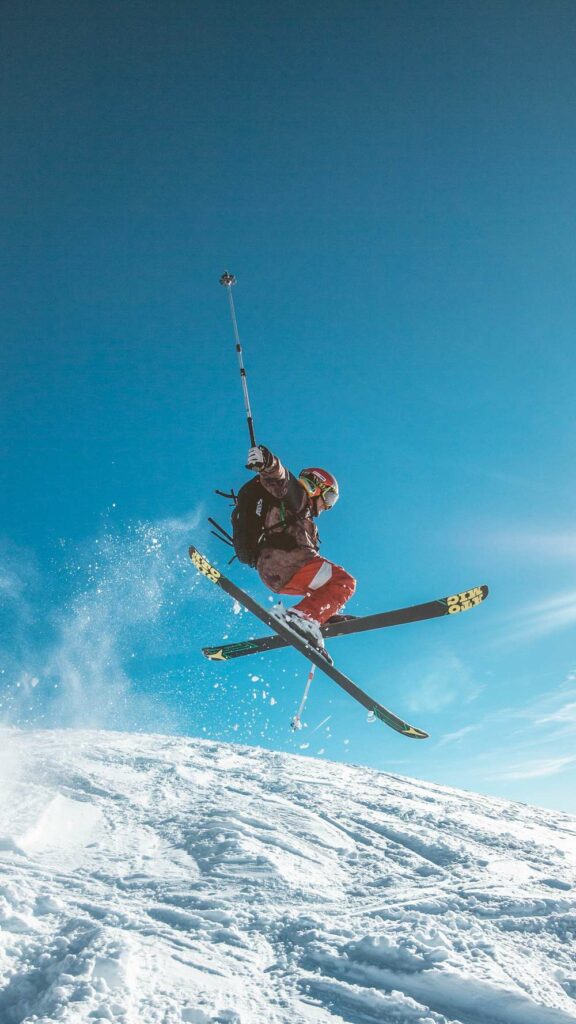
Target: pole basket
x,y
227,279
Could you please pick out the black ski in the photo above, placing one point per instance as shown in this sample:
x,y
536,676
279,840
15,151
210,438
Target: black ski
x,y
308,650
348,625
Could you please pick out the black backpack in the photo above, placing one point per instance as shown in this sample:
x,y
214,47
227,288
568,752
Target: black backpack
x,y
249,534
248,518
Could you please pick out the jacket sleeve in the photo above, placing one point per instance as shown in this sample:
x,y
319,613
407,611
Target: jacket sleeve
x,y
282,484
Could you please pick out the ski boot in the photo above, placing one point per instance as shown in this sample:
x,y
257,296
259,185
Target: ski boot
x,y
306,629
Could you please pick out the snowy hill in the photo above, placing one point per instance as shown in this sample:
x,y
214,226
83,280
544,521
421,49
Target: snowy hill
x,y
158,880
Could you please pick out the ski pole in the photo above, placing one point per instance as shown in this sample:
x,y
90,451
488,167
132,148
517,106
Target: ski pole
x,y
228,280
296,724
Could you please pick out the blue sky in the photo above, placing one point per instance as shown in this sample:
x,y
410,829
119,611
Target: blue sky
x,y
393,186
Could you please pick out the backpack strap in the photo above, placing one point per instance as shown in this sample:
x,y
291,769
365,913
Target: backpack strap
x,y
277,536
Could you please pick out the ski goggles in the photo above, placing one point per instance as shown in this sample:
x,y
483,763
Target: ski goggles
x,y
329,496
328,492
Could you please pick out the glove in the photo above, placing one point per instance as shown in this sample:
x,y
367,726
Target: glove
x,y
259,458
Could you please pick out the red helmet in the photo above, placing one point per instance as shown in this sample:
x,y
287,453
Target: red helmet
x,y
320,483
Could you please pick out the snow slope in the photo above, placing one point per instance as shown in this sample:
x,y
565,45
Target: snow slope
x,y
158,880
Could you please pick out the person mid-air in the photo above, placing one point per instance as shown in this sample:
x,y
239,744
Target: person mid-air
x,y
288,561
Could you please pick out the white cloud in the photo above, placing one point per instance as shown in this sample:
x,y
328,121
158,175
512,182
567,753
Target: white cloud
x,y
443,679
532,741
534,768
554,709
536,545
540,619
565,714
455,737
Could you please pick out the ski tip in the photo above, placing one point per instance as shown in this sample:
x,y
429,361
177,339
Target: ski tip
x,y
465,599
203,565
214,654
414,733
397,724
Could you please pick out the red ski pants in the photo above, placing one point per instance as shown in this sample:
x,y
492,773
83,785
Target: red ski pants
x,y
326,588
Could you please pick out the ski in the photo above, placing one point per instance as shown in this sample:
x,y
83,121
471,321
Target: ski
x,y
350,624
308,650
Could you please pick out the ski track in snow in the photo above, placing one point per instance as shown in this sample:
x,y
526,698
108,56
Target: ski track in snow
x,y
159,880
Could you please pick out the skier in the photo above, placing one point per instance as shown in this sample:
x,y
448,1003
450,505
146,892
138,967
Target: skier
x,y
288,560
